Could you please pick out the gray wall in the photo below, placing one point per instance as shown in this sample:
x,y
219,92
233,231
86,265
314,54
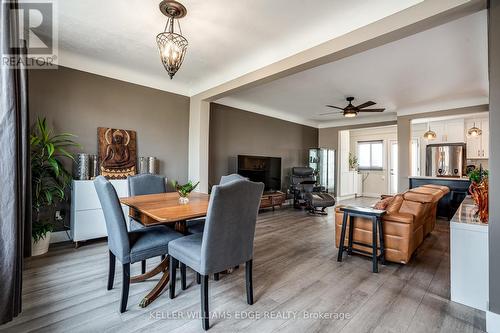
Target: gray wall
x,y
79,102
494,162
236,132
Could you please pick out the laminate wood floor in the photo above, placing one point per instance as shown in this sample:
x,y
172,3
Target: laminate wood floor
x,y
298,284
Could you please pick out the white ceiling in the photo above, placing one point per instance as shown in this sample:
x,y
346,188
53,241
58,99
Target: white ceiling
x,y
227,38
442,68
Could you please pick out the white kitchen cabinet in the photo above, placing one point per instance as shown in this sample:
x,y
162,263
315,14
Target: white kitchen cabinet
x,y
478,146
87,218
449,131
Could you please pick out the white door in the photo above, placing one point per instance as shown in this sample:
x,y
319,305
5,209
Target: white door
x,y
393,167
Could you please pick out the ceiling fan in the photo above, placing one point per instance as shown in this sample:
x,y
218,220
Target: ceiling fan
x,y
351,111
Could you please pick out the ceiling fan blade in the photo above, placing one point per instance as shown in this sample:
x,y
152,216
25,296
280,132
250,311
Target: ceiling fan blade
x,y
366,104
335,107
372,110
327,113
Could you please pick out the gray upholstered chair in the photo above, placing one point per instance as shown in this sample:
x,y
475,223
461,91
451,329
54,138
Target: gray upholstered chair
x,y
227,240
142,185
196,226
128,247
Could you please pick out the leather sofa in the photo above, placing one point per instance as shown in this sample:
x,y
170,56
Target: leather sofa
x,y
410,216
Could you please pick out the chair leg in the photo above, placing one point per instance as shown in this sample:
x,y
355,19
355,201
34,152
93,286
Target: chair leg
x,y
198,278
111,273
204,302
183,276
143,266
216,276
248,273
173,273
125,287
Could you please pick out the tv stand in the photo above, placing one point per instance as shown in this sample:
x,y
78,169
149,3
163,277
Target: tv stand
x,y
272,199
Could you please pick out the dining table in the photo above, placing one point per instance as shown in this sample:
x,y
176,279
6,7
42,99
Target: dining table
x,y
163,209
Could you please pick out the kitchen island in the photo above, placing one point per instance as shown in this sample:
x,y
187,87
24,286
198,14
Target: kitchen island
x,y
449,204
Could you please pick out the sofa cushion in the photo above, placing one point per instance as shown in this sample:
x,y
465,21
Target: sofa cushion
x,y
384,203
395,204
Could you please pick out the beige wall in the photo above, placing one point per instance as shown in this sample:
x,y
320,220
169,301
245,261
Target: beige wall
x,y
236,132
79,102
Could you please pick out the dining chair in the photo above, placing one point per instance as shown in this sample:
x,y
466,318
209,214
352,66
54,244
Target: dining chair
x,y
196,226
128,247
226,241
144,184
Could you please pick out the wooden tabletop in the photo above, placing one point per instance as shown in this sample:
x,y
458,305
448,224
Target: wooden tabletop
x,y
165,207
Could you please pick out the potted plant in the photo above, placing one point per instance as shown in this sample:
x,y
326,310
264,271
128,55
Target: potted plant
x,y
479,192
49,180
353,162
184,191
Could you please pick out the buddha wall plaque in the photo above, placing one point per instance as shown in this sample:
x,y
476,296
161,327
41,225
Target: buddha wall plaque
x,y
117,152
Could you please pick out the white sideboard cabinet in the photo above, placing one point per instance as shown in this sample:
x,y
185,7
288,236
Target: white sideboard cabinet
x,y
87,218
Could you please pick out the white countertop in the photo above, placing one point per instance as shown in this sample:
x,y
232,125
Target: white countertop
x,y
440,178
466,217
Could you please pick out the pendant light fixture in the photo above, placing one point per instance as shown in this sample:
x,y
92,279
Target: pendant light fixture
x,y
474,131
172,46
430,135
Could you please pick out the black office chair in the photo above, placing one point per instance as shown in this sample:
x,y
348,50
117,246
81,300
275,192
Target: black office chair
x,y
307,194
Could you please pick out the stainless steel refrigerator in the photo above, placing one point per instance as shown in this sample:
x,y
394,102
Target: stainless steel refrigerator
x,y
445,160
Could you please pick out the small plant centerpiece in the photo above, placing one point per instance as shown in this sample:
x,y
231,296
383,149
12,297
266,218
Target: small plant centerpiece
x,y
184,191
49,180
479,192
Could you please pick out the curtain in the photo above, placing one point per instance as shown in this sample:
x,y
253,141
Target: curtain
x,y
15,177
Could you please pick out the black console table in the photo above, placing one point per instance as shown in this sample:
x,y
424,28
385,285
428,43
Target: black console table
x,y
376,216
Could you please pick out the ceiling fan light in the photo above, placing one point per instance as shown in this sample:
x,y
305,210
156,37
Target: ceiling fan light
x,y
350,114
430,135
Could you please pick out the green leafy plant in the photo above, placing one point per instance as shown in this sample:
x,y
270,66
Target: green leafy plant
x,y
353,161
185,189
49,178
40,230
477,175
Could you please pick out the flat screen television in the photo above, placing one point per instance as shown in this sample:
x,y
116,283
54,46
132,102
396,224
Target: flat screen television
x,y
261,169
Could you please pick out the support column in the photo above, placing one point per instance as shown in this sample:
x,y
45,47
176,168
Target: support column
x,y
199,122
493,313
404,147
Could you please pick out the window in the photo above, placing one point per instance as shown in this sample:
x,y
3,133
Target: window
x,y
371,155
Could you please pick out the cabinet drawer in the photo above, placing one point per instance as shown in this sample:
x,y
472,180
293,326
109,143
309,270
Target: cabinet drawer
x,y
90,224
84,196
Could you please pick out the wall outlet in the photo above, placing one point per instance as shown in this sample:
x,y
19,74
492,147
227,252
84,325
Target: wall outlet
x,y
58,216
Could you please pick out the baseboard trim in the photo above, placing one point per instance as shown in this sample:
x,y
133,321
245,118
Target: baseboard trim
x,y
492,322
371,195
59,236
346,197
